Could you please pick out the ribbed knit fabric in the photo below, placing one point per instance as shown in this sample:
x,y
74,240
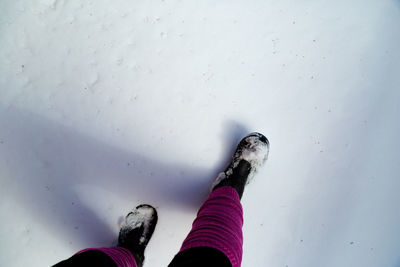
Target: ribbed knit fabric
x,y
219,225
121,256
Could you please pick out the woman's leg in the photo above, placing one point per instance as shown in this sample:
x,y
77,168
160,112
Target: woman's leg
x,y
200,257
101,257
216,238
133,238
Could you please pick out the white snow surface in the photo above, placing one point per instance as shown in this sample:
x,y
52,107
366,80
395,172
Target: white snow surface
x,y
105,105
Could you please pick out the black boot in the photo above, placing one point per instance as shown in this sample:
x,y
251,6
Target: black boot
x,y
137,230
250,155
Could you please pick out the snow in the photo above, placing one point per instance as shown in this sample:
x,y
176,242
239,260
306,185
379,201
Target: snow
x,y
105,105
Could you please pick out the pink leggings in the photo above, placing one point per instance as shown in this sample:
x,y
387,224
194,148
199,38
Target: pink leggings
x,y
218,225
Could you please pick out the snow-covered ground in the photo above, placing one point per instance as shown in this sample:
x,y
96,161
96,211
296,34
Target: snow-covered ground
x,y
108,104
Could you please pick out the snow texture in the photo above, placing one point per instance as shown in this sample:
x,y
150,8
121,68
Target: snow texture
x,y
105,105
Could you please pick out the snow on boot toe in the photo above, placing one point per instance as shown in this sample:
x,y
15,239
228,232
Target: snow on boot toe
x,y
251,153
137,230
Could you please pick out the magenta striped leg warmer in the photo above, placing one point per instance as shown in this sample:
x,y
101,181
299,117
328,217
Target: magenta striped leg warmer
x,y
219,225
121,256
